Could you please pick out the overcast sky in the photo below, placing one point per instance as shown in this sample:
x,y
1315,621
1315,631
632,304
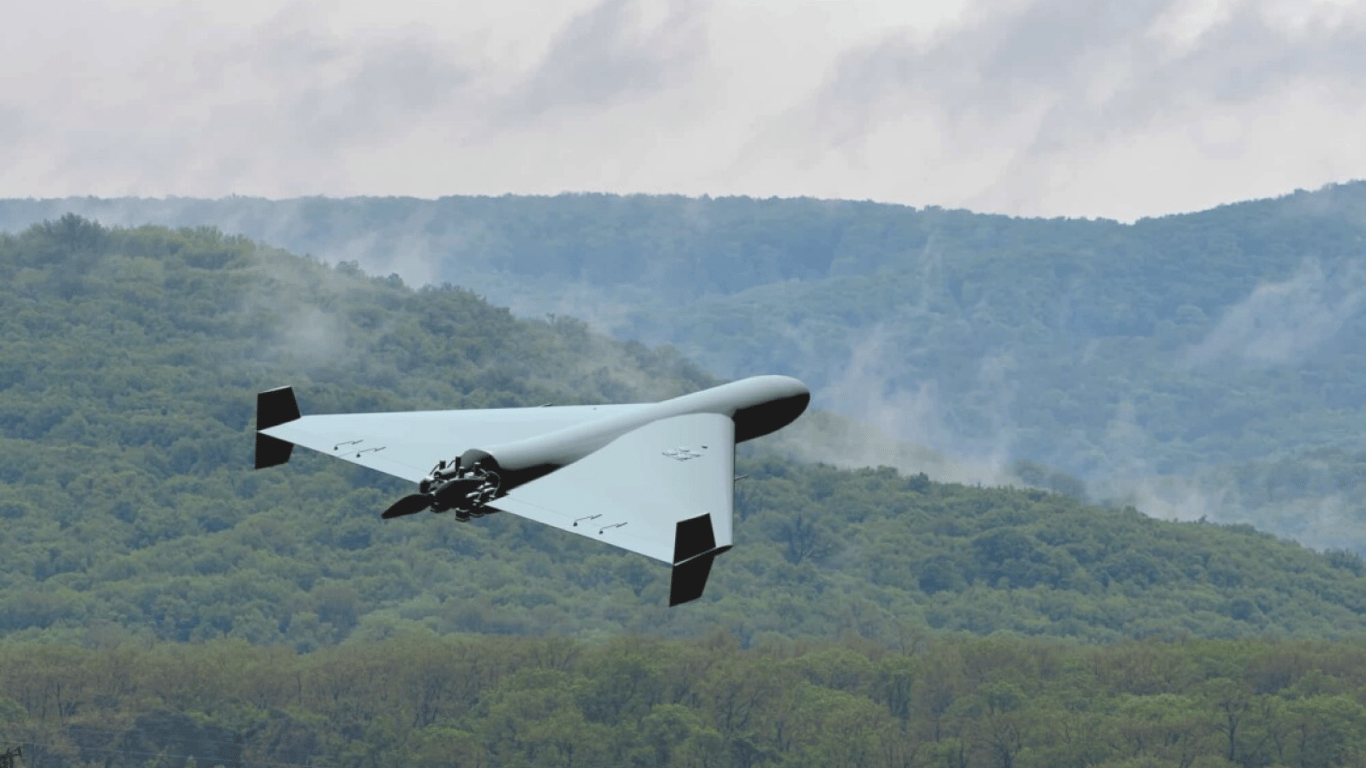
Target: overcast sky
x,y
1114,108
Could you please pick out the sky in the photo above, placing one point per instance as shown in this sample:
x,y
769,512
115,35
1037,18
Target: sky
x,y
1081,108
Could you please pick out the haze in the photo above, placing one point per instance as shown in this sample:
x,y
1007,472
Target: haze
x,y
1028,107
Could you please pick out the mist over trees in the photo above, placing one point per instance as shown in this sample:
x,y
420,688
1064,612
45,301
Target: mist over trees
x,y
1177,364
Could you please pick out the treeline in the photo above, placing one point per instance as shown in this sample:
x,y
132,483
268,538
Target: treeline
x,y
131,361
421,700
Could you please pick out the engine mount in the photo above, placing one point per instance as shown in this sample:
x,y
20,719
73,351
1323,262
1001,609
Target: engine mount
x,y
464,484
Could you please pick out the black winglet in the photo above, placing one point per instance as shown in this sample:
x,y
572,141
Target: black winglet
x,y
273,408
694,550
689,579
693,537
271,451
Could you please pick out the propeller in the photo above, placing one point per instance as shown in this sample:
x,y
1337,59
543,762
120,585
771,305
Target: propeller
x,y
408,505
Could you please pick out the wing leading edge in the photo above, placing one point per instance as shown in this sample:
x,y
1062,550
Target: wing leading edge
x,y
405,444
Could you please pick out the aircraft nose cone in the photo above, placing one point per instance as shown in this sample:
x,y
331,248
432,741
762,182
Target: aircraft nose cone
x,y
781,387
793,387
774,402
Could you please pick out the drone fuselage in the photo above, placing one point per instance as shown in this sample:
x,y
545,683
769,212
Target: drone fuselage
x,y
758,405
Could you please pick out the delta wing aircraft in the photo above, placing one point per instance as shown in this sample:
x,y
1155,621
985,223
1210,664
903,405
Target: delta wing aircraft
x,y
653,478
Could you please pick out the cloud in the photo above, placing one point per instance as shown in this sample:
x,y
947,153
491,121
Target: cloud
x,y
1028,100
608,54
1023,106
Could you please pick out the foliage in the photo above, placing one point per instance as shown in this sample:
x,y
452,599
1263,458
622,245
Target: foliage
x,y
131,357
418,699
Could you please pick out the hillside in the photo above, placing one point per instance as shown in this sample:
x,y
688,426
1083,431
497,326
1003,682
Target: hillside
x,y
131,359
1162,362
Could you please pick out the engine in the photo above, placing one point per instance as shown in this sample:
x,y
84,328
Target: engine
x,y
464,484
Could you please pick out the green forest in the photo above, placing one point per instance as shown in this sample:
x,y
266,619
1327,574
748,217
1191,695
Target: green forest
x,y
160,599
422,700
1214,359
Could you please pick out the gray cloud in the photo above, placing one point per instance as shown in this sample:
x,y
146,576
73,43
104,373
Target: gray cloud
x,y
1061,52
282,101
11,125
393,82
288,103
1023,106
321,100
1038,87
606,55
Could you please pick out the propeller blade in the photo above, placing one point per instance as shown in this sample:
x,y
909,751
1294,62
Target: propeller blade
x,y
408,505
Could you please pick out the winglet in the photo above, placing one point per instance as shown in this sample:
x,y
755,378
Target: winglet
x,y
273,408
693,537
694,550
689,579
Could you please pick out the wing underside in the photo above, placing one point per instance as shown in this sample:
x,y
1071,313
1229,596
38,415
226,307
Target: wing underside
x,y
664,490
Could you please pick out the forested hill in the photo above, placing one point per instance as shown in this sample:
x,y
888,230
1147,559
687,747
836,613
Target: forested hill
x,y
130,362
1211,363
